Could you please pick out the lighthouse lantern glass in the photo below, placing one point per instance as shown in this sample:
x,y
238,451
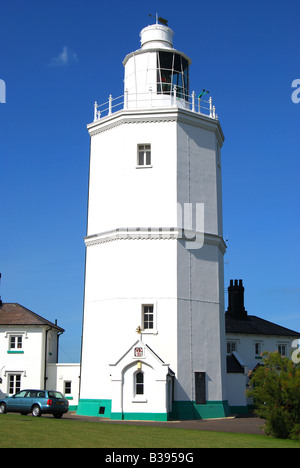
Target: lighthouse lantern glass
x,y
172,70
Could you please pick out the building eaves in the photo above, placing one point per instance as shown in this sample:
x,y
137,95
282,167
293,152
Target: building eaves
x,y
16,314
253,325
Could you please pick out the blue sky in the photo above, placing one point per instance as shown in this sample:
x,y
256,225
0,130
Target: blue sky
x,y
58,57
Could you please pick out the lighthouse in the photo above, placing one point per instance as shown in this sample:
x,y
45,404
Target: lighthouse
x,y
153,343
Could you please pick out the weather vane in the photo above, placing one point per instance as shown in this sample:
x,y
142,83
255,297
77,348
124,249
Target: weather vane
x,y
160,19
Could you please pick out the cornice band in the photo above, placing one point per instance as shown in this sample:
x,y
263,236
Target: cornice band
x,y
156,116
162,233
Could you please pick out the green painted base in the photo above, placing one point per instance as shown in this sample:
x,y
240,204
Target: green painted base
x,y
239,409
102,409
72,407
140,416
190,410
99,408
181,410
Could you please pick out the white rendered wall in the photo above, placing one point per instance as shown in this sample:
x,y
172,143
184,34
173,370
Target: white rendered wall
x,y
201,339
236,389
30,363
121,275
245,346
58,374
122,195
199,173
136,272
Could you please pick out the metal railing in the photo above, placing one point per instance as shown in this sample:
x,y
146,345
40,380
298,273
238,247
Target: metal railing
x,y
151,99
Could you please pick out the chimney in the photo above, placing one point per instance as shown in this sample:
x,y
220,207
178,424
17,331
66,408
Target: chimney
x,y
236,307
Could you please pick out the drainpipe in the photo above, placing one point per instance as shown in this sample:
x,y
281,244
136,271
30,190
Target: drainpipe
x,y
45,369
57,342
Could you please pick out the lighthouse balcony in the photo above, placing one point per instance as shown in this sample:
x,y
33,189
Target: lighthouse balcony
x,y
149,99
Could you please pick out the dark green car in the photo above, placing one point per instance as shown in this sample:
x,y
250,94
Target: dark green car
x,y
36,402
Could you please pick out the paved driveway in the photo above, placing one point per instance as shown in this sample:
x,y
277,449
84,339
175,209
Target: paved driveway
x,y
246,424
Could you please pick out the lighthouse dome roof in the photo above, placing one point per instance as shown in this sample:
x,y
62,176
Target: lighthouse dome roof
x,y
156,36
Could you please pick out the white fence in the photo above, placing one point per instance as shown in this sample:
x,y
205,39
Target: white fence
x,y
150,99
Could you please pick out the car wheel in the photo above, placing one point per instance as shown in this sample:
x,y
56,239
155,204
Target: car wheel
x,y
2,408
36,411
57,415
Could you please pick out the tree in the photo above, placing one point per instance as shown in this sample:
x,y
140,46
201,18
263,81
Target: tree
x,y
275,390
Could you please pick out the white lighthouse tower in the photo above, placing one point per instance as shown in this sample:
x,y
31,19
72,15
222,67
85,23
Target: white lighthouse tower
x,y
153,342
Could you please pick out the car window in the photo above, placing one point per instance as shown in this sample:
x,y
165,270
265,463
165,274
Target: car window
x,y
55,395
41,394
21,394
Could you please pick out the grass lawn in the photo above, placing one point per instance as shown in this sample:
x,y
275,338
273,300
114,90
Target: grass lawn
x,y
26,431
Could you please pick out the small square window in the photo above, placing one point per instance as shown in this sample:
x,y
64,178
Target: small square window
x,y
282,349
15,342
231,346
144,155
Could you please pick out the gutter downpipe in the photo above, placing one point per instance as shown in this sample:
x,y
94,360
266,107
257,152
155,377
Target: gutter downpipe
x,y
45,364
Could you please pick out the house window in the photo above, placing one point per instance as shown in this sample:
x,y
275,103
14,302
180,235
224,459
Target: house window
x,y
148,316
281,348
257,347
139,383
15,343
68,387
144,156
231,346
14,383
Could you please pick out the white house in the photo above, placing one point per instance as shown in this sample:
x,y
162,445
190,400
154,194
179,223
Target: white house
x,y
247,337
29,354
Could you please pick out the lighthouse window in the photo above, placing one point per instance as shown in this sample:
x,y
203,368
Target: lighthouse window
x,y
144,155
139,383
148,317
172,70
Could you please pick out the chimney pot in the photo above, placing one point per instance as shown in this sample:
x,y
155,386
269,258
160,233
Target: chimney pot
x,y
236,307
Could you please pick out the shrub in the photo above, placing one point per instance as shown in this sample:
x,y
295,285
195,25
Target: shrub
x,y
275,390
